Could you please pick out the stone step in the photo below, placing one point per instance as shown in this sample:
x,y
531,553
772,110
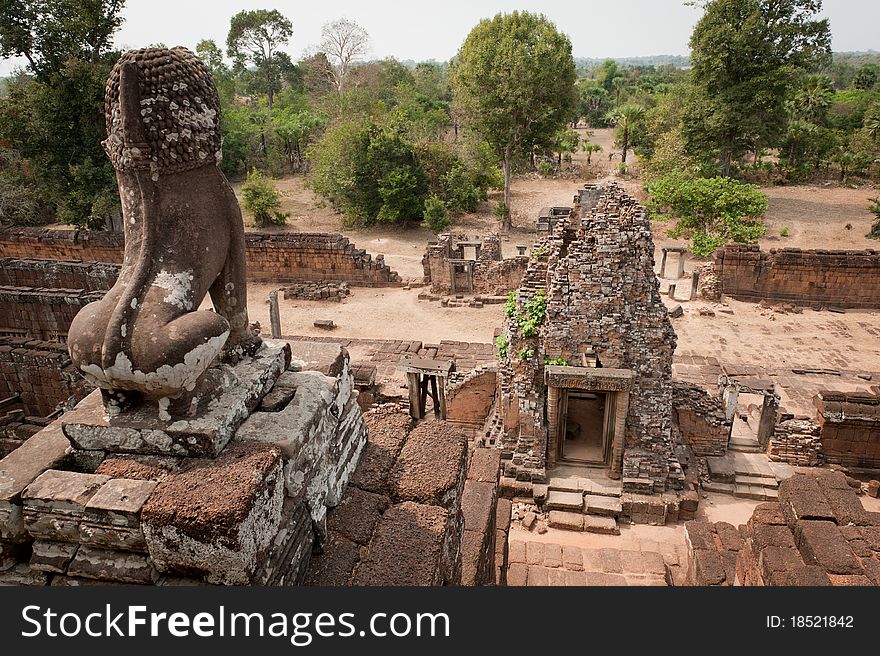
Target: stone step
x,y
565,521
571,501
744,446
603,525
753,492
603,506
721,488
602,488
759,481
567,484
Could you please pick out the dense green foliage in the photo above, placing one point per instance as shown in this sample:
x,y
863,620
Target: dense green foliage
x,y
52,118
436,214
262,201
710,211
875,210
513,83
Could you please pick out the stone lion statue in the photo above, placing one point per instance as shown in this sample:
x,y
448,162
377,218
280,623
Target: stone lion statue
x,y
184,237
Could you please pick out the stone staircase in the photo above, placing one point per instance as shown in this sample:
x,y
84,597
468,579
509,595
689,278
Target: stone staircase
x,y
579,503
746,475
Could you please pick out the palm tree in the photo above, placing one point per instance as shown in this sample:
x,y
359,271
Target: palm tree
x,y
589,149
626,117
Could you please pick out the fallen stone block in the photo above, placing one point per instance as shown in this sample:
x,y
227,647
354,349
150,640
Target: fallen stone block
x,y
55,501
43,451
407,547
112,516
52,557
217,518
325,324
603,525
111,565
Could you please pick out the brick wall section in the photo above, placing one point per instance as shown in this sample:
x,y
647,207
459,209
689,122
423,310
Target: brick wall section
x,y
41,313
797,442
700,419
60,274
816,534
850,424
843,278
281,257
41,372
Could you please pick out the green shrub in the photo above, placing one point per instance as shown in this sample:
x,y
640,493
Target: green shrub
x,y
711,211
559,362
785,232
875,210
532,315
262,201
459,190
526,354
510,305
501,346
545,168
436,215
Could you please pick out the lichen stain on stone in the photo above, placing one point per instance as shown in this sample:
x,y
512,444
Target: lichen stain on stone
x,y
178,286
178,376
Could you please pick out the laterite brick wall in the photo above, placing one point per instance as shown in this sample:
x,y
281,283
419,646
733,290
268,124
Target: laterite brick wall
x,y
805,277
280,257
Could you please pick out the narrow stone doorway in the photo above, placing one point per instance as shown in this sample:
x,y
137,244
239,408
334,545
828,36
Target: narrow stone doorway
x,y
586,436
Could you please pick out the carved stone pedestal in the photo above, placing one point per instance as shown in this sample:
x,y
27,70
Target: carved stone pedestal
x,y
143,430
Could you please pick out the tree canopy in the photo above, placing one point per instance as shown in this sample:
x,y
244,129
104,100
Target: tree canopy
x,y
514,84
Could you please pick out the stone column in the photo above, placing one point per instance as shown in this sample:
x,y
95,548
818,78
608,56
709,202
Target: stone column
x,y
621,408
553,423
695,284
274,315
681,258
663,263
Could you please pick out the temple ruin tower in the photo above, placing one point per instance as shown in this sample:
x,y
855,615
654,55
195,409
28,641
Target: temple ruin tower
x,y
588,345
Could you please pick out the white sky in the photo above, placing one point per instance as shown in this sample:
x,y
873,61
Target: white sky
x,y
420,30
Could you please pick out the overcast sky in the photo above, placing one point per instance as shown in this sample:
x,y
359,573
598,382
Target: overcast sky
x,y
434,30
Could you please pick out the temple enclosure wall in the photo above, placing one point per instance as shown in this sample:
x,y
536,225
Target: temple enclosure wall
x,y
41,372
283,257
848,279
40,313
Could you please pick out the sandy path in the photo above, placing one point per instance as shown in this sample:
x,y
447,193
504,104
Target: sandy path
x,y
391,313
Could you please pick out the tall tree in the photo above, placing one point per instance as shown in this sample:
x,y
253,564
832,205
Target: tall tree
x,y
49,32
745,56
53,116
626,118
343,42
514,83
256,37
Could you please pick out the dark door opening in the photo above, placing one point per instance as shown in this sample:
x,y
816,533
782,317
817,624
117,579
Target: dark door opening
x,y
585,428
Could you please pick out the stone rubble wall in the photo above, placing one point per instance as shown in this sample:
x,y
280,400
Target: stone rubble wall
x,y
849,279
42,372
816,534
797,442
700,419
317,291
41,313
276,257
850,427
252,515
59,274
492,274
